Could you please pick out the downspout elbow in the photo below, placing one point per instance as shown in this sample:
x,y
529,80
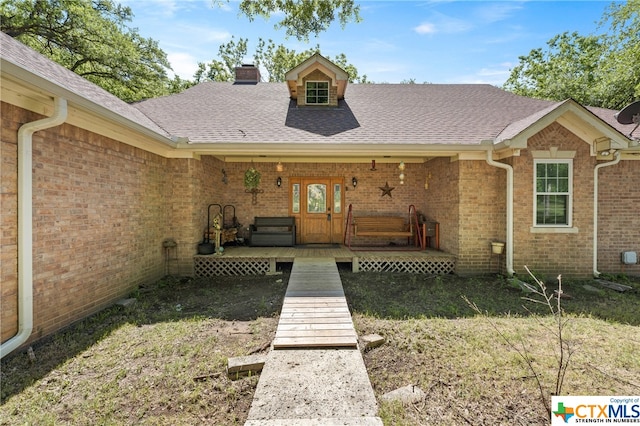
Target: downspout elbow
x,y
25,223
509,206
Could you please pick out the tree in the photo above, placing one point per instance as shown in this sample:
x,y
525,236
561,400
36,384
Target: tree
x,y
302,17
90,37
596,70
274,60
231,55
567,69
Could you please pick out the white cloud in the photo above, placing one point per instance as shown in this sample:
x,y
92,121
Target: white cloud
x,y
495,12
184,65
425,28
440,23
495,76
378,45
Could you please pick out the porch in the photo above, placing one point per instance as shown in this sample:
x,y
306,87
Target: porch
x,y
242,260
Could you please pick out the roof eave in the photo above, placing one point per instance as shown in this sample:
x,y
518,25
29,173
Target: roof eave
x,y
53,90
571,115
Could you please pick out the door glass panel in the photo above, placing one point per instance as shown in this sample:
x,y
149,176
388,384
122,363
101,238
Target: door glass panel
x,y
316,198
295,208
337,198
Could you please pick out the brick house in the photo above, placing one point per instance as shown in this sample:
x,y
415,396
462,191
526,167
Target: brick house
x,y
93,186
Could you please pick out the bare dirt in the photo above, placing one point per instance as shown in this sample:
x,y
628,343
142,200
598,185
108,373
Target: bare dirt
x,y
163,359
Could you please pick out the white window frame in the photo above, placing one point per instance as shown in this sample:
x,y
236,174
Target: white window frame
x,y
306,91
569,194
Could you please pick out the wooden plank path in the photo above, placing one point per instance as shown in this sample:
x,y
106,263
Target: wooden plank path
x,y
315,312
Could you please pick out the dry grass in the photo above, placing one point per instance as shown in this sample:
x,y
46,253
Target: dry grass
x,y
162,361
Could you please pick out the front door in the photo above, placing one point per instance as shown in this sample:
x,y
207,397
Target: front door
x,y
320,209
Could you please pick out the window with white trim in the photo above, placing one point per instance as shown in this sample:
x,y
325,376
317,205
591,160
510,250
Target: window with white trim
x,y
317,92
553,192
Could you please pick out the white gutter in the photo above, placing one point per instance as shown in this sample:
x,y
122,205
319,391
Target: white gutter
x,y
25,223
615,161
509,230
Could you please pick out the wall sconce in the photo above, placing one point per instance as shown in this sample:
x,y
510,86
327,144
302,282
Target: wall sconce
x,y
426,180
373,165
354,182
401,167
225,180
279,167
279,182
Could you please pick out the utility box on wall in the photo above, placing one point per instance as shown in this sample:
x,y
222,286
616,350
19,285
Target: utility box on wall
x,y
629,257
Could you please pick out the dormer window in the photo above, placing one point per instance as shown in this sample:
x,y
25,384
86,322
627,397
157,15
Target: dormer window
x,y
317,92
317,82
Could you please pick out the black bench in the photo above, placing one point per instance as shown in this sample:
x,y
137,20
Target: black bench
x,y
273,231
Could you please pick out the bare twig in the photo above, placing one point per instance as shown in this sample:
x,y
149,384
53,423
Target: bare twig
x,y
564,351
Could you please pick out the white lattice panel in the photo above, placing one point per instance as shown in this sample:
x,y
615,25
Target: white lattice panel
x,y
210,266
410,265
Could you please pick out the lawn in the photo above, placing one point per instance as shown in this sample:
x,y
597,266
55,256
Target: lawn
x,y
162,360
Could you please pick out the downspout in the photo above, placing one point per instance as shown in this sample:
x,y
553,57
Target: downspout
x,y
613,162
509,230
25,223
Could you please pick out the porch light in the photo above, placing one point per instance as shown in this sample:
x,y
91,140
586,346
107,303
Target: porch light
x,y
279,168
279,182
354,182
401,167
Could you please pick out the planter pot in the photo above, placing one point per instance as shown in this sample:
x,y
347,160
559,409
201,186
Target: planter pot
x,y
497,247
206,248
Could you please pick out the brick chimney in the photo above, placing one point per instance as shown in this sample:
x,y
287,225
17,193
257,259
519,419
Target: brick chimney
x,y
247,74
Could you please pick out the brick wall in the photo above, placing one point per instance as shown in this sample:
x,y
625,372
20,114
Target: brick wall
x,y
101,210
366,198
550,254
618,216
441,200
482,216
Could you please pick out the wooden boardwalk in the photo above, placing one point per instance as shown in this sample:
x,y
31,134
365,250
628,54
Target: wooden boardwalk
x,y
315,312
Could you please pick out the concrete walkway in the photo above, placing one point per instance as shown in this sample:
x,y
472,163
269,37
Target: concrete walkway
x,y
323,381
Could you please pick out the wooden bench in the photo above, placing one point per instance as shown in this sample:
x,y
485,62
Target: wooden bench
x,y
381,226
273,231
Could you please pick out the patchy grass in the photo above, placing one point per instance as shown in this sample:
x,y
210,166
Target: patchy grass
x,y
162,360
470,375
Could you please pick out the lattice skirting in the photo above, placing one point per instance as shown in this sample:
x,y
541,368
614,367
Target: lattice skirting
x,y
209,266
410,265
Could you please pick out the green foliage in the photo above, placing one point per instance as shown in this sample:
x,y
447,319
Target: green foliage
x,y
251,178
595,70
276,60
91,38
304,17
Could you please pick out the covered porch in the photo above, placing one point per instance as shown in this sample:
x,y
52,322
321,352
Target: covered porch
x,y
242,260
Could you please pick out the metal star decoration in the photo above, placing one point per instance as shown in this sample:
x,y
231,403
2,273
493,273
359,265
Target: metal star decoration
x,y
386,189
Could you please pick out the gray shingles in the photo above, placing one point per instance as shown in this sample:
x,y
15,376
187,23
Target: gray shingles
x,y
41,67
429,114
371,113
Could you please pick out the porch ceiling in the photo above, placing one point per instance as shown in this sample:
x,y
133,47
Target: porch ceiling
x,y
338,153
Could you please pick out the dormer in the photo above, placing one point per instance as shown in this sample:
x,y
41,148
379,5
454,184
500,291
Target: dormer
x,y
317,82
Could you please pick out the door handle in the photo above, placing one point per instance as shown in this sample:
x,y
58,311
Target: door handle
x,y
329,217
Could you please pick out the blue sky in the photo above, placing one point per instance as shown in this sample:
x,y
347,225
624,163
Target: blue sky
x,y
435,41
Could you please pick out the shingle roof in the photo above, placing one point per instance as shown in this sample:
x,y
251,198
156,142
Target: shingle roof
x,y
371,113
227,113
42,67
